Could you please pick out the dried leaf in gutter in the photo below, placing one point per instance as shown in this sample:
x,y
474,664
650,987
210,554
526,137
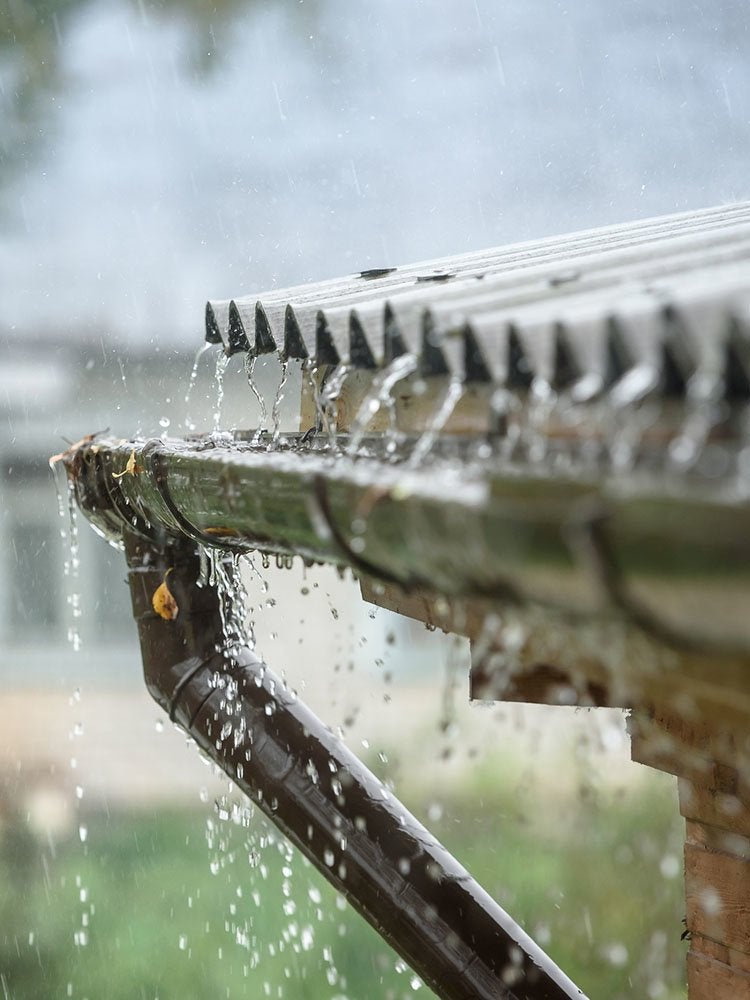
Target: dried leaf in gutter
x,y
163,601
73,448
222,532
130,469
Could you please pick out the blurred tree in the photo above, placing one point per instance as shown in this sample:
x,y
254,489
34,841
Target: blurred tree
x,y
30,74
33,66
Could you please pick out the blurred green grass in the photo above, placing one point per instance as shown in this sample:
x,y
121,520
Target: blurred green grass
x,y
168,905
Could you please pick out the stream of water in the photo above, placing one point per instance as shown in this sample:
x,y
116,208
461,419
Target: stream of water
x,y
451,398
329,397
278,400
222,361
190,426
250,362
380,394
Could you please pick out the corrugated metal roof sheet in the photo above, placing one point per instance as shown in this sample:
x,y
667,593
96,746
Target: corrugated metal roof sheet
x,y
670,295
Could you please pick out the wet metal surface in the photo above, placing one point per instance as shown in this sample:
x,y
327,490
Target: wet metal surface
x,y
340,816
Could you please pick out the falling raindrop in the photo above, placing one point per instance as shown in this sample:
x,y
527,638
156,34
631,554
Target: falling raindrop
x,y
68,511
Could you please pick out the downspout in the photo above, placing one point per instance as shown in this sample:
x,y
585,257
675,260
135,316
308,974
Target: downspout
x,y
368,846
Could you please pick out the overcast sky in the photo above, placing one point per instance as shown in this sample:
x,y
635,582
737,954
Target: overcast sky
x,y
172,160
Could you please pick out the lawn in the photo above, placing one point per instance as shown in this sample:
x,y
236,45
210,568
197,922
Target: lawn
x,y
213,904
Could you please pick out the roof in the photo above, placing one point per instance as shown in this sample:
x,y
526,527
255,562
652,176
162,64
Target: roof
x,y
669,296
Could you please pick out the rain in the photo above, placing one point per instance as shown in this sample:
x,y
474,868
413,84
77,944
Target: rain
x,y
155,156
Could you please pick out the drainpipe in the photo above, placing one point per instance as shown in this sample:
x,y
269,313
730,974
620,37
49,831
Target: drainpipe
x,y
362,839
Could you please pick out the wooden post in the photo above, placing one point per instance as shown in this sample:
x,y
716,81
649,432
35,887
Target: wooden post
x,y
711,765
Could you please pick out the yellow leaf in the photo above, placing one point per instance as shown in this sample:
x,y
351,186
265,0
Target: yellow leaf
x,y
130,469
163,601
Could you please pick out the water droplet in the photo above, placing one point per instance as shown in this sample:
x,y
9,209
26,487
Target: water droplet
x,y
616,954
670,866
711,901
434,812
542,934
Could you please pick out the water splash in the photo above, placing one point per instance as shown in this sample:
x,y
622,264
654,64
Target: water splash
x,y
250,362
379,395
250,564
225,573
450,400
